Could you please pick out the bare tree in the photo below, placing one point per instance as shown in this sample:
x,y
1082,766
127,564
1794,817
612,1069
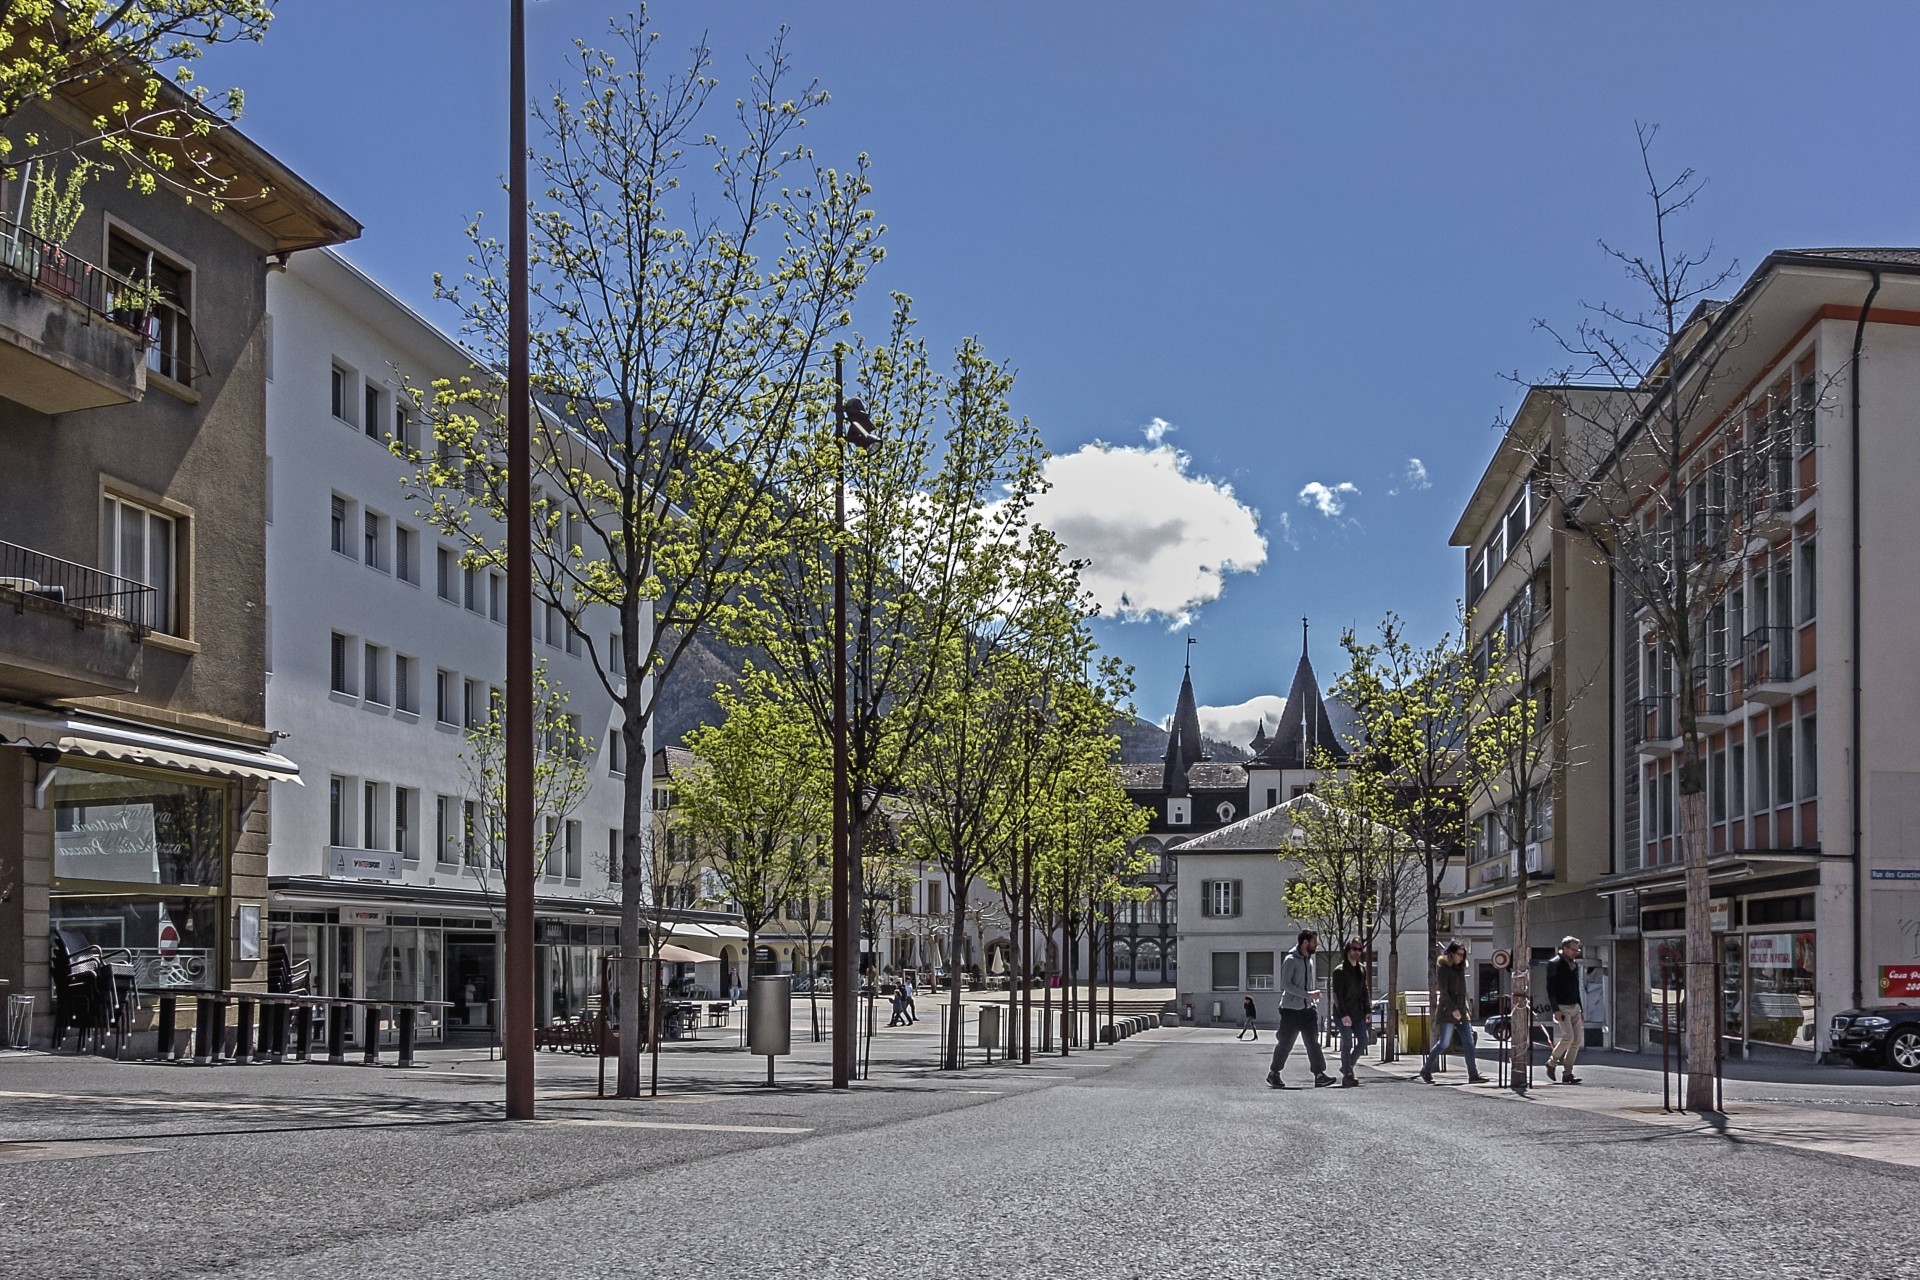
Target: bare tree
x,y
1645,386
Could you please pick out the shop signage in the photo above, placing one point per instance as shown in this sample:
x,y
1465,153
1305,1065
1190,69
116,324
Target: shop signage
x,y
1900,981
362,915
1770,951
1719,915
168,942
108,842
552,931
363,864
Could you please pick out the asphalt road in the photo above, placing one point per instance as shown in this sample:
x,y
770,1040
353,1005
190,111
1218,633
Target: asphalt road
x,y
1164,1157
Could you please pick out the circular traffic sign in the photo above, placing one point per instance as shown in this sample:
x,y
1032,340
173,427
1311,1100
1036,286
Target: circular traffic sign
x,y
1500,958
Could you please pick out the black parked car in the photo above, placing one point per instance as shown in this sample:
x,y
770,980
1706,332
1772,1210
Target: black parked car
x,y
1888,1036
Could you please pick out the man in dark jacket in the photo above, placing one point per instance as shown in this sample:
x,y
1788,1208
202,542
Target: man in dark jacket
x,y
1569,1020
1453,1023
1352,1004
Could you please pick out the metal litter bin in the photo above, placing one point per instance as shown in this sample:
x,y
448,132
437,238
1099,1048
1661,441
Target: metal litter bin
x,y
990,1026
19,1021
1416,1022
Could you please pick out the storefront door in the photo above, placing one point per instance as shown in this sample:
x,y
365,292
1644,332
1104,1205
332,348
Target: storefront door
x,y
472,960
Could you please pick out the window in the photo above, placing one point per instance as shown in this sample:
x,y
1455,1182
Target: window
x,y
573,850
446,829
497,597
613,851
1762,774
443,573
372,833
342,511
1220,899
1717,787
374,668
616,752
556,625
372,420
342,667
375,541
1179,811
1809,580
470,589
406,554
933,898
1809,757
1783,765
406,684
169,327
472,711
1226,971
337,811
470,832
444,706
1783,593
341,385
1259,970
138,545
1737,779
405,430
549,848
573,643
406,806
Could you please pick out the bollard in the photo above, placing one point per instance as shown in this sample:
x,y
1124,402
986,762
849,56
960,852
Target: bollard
x,y
408,1017
337,1034
203,1031
279,1015
163,1034
266,1032
243,1040
371,1055
303,1031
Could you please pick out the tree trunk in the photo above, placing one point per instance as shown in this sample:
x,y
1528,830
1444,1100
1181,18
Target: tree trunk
x,y
1703,989
753,936
1520,1015
1390,1048
956,1024
636,854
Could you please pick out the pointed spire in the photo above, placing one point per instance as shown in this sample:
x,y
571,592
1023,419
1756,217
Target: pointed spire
x,y
1304,724
1184,748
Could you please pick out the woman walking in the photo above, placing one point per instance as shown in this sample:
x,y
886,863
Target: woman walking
x,y
1247,1016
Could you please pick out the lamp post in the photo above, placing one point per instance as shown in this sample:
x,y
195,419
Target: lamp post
x,y
517,1041
850,425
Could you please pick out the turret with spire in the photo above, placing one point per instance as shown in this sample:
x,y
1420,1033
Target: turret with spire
x,y
1304,726
1185,747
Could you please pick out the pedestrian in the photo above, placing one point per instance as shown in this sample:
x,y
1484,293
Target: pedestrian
x,y
1569,1020
1455,1022
1352,1002
1297,1014
1247,1015
906,1000
899,1003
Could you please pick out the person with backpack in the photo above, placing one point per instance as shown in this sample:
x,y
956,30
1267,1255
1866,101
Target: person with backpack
x,y
1452,1020
1247,1015
1569,1020
1352,1003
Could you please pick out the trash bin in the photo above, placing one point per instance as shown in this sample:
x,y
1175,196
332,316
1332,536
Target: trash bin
x,y
990,1026
1416,1022
19,1021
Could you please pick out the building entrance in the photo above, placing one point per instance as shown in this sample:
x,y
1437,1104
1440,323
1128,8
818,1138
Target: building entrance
x,y
472,968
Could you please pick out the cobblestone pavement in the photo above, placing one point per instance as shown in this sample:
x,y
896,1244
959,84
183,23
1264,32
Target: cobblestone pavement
x,y
1164,1156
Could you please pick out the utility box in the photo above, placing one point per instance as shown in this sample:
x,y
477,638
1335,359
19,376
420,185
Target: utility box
x,y
990,1026
770,1016
1416,1022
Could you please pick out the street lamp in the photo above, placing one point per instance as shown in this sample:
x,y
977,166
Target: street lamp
x,y
851,425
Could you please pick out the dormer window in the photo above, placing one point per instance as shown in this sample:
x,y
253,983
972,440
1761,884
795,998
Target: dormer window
x,y
1179,812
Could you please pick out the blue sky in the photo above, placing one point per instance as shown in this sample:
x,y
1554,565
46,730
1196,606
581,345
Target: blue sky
x,y
1305,241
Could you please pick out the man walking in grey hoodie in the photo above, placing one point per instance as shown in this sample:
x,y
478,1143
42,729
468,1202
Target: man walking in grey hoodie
x,y
1298,1016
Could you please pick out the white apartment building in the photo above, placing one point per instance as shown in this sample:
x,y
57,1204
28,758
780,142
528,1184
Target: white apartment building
x,y
382,650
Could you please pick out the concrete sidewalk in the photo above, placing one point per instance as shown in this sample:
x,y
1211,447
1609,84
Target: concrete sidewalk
x,y
1838,1111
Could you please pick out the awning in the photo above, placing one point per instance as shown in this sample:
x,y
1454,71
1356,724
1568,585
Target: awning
x,y
688,929
680,955
103,739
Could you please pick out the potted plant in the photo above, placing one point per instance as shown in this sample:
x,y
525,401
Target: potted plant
x,y
54,207
132,303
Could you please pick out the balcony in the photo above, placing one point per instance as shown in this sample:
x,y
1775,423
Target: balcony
x,y
1713,706
1659,726
1768,665
63,347
1770,508
67,631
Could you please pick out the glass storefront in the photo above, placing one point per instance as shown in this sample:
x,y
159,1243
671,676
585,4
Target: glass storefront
x,y
1767,953
139,863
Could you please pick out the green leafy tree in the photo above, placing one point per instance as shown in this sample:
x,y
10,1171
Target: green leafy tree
x,y
114,80
756,802
690,258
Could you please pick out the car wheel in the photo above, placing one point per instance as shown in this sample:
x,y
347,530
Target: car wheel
x,y
1903,1048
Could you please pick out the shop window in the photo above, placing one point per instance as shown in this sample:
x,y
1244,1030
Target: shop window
x,y
109,828
141,546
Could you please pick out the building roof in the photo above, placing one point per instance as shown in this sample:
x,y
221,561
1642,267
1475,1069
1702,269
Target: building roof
x,y
1885,257
1207,776
1269,831
1304,723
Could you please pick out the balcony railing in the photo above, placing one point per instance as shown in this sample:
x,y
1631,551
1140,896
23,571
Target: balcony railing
x,y
1768,656
56,270
35,573
1659,718
1711,687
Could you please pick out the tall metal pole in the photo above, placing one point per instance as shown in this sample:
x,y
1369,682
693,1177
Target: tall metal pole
x,y
518,1043
846,1029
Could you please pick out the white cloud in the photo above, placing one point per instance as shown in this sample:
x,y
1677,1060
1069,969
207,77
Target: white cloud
x,y
1158,540
1236,723
1329,500
1287,535
1416,476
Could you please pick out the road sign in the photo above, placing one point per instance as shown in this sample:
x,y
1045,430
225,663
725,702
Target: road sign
x,y
1500,958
